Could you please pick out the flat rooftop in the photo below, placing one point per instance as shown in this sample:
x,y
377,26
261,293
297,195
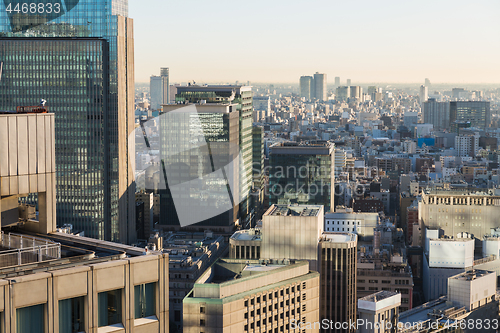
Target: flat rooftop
x,y
293,210
182,245
381,295
247,235
338,237
260,268
471,275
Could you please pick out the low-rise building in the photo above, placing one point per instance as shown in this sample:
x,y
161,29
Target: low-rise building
x,y
378,312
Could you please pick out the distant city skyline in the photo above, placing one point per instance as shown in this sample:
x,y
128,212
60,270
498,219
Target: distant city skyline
x,y
280,41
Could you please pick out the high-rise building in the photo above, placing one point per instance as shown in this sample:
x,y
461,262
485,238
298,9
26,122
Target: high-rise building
x,y
258,171
320,86
337,264
476,113
379,312
356,92
437,114
424,94
243,97
159,89
218,126
427,82
302,174
307,87
79,57
348,82
337,81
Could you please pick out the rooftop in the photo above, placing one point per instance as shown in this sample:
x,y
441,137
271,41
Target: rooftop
x,y
381,295
247,234
471,275
338,237
190,247
293,210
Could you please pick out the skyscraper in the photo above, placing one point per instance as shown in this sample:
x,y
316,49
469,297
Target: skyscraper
x,y
243,97
348,82
320,86
218,126
78,55
159,89
424,94
337,81
307,87
337,264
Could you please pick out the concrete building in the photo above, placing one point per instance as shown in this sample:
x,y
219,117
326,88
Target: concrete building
x,y
240,295
437,114
467,145
361,224
245,244
292,232
90,286
378,312
27,165
471,298
337,263
470,210
52,281
190,255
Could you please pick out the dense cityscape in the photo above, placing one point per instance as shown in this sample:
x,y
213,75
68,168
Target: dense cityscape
x,y
328,204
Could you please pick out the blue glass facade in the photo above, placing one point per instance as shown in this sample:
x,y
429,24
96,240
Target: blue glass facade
x,y
78,55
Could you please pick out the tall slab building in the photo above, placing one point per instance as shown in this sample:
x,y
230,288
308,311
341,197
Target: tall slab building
x,y
159,89
79,57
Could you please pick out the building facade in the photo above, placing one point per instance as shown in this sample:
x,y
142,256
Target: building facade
x,y
251,296
243,97
476,113
81,61
159,89
437,114
302,173
307,87
337,262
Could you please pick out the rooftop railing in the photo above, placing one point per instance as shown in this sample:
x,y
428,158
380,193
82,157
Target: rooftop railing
x,y
24,249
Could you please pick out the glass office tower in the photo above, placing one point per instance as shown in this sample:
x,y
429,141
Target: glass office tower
x,y
302,173
243,97
78,56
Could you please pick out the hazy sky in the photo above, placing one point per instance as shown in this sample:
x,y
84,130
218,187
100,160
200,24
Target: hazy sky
x,y
278,41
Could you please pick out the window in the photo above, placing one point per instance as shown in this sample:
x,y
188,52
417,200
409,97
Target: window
x,y
202,309
202,322
264,298
145,300
246,303
30,319
71,315
258,299
109,307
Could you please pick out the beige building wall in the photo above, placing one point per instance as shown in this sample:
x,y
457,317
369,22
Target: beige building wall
x,y
27,165
292,237
277,300
456,212
48,288
126,126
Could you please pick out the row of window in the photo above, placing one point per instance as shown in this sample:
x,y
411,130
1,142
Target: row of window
x,y
72,311
282,292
